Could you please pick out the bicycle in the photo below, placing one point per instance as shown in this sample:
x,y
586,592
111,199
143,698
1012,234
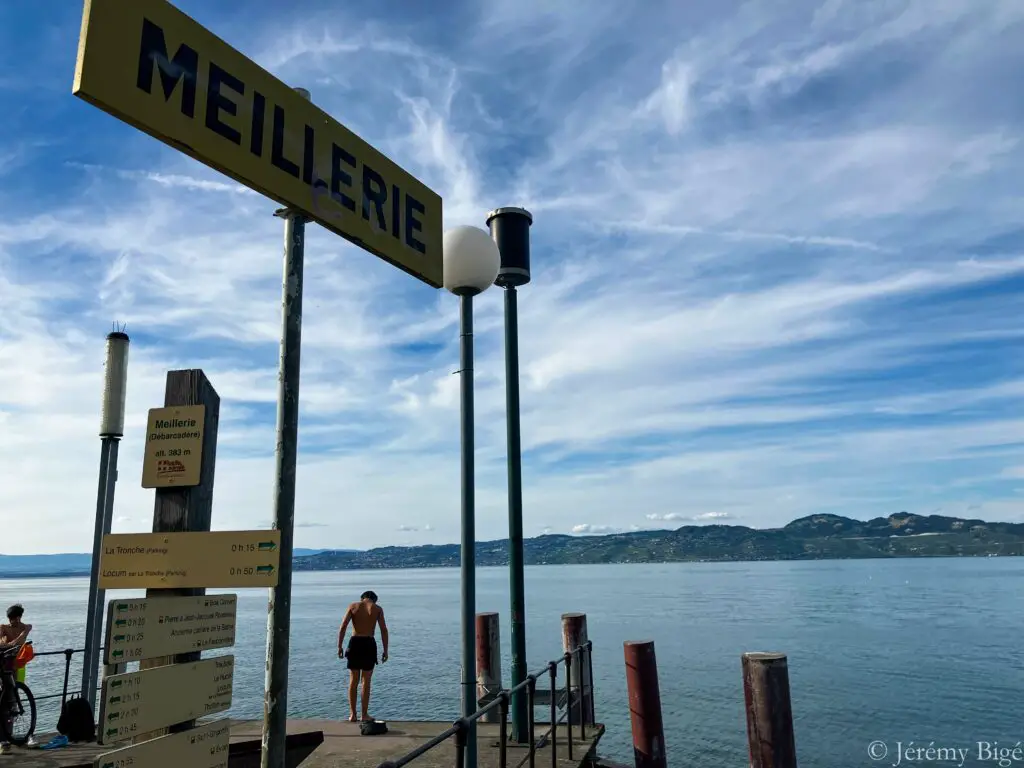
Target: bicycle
x,y
19,705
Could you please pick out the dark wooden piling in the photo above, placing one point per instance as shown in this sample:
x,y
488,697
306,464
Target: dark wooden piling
x,y
574,635
645,704
769,713
488,661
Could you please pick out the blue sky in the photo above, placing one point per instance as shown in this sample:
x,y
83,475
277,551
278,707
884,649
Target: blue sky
x,y
777,269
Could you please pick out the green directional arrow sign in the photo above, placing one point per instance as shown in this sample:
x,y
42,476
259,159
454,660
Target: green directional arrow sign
x,y
116,683
208,749
113,716
188,559
114,700
111,732
180,624
120,623
121,608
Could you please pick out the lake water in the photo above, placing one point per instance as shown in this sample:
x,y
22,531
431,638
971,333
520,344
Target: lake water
x,y
897,651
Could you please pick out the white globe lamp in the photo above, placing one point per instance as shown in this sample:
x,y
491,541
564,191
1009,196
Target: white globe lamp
x,y
470,260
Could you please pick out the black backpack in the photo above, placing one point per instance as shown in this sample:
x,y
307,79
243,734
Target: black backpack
x,y
373,728
76,720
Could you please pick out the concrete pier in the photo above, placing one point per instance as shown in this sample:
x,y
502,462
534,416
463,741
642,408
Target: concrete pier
x,y
344,747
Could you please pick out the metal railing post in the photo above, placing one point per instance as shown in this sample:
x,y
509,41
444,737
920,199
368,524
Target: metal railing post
x,y
68,653
503,735
531,701
553,674
461,740
593,693
568,702
581,653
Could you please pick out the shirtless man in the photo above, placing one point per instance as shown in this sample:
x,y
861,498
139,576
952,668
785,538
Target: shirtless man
x,y
15,632
365,616
12,634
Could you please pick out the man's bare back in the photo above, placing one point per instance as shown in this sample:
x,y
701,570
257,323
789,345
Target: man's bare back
x,y
364,616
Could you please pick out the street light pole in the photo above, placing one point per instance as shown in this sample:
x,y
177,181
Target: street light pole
x,y
115,385
510,229
470,266
467,559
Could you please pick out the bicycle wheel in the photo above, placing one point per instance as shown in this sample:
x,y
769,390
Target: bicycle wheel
x,y
20,722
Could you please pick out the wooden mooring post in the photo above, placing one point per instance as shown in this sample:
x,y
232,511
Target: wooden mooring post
x,y
574,635
769,713
488,662
645,704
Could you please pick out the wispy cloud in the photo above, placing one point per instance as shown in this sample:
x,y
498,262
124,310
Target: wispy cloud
x,y
590,529
702,517
777,266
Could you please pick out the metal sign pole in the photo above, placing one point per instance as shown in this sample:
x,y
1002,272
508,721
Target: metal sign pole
x,y
275,704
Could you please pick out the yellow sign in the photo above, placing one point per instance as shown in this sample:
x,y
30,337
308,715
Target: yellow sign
x,y
174,447
151,627
215,559
139,702
204,747
148,64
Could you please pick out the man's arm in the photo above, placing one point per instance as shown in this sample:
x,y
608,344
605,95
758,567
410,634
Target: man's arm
x,y
341,632
17,640
383,633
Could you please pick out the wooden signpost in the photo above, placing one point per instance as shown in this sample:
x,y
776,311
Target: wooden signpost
x,y
219,559
174,447
203,747
138,702
149,627
166,631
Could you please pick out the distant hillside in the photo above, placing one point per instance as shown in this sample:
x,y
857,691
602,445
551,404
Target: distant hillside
x,y
74,564
815,537
65,564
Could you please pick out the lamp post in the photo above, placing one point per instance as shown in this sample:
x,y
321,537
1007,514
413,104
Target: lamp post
x,y
510,229
470,267
115,386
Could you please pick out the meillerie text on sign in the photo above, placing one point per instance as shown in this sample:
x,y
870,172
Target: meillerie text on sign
x,y
136,703
150,627
148,64
173,456
204,747
214,559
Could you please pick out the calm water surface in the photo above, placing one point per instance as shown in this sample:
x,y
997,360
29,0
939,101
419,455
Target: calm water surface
x,y
896,651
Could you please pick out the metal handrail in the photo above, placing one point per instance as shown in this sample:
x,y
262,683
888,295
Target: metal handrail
x,y
460,728
67,653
